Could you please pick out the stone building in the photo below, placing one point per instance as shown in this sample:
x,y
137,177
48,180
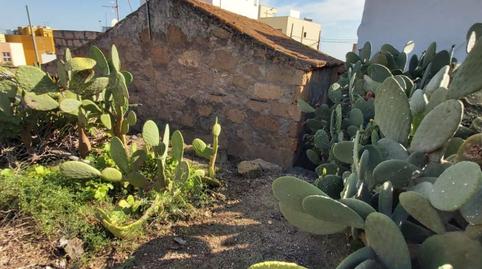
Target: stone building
x,y
192,61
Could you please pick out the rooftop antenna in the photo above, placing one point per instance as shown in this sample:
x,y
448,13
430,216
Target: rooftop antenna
x,y
37,62
115,7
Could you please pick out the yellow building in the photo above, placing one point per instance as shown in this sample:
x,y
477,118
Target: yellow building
x,y
302,30
44,38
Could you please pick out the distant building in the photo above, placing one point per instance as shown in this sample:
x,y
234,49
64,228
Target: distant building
x,y
247,8
396,22
11,53
44,39
302,30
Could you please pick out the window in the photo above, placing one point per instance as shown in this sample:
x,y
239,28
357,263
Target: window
x,y
304,34
7,57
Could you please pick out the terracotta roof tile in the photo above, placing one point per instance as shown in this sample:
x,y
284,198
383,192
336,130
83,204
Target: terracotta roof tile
x,y
267,35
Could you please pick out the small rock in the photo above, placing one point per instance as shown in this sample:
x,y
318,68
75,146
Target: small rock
x,y
73,247
179,240
258,167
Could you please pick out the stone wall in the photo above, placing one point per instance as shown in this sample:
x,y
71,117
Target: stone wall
x,y
71,39
192,68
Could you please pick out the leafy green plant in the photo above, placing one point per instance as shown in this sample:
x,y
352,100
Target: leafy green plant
x,y
415,184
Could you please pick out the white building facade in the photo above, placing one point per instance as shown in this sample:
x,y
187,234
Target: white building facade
x,y
248,8
396,22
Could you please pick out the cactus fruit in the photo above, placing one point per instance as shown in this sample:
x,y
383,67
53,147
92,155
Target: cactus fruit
x,y
150,133
40,102
276,265
467,79
471,149
328,209
385,238
78,170
385,198
399,172
343,151
119,155
356,258
392,111
456,186
177,142
453,248
361,208
111,174
420,209
430,134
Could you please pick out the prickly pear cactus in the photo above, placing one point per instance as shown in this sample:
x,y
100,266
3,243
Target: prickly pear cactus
x,y
385,238
430,134
456,186
392,111
78,170
471,149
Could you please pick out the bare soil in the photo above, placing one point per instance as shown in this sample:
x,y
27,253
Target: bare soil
x,y
243,227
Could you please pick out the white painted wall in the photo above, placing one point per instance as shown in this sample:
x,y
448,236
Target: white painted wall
x,y
423,21
248,8
16,53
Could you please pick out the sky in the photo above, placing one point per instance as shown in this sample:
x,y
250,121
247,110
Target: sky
x,y
339,18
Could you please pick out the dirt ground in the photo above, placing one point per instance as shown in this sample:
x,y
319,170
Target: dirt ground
x,y
242,228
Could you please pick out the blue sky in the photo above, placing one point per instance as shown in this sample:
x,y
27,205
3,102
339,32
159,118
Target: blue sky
x,y
339,18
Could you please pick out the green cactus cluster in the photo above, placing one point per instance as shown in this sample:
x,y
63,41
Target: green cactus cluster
x,y
163,158
408,182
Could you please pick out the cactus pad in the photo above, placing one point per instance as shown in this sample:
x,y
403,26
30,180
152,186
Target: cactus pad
x,y
378,72
111,174
33,79
467,79
181,173
392,111
150,133
392,149
177,142
362,208
385,199
440,80
80,63
421,210
70,106
115,60
137,179
119,155
453,248
472,210
399,172
357,257
343,151
321,140
291,191
106,121
331,185
431,134
456,186
78,170
305,107
276,265
308,223
385,238
102,66
328,209
40,102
